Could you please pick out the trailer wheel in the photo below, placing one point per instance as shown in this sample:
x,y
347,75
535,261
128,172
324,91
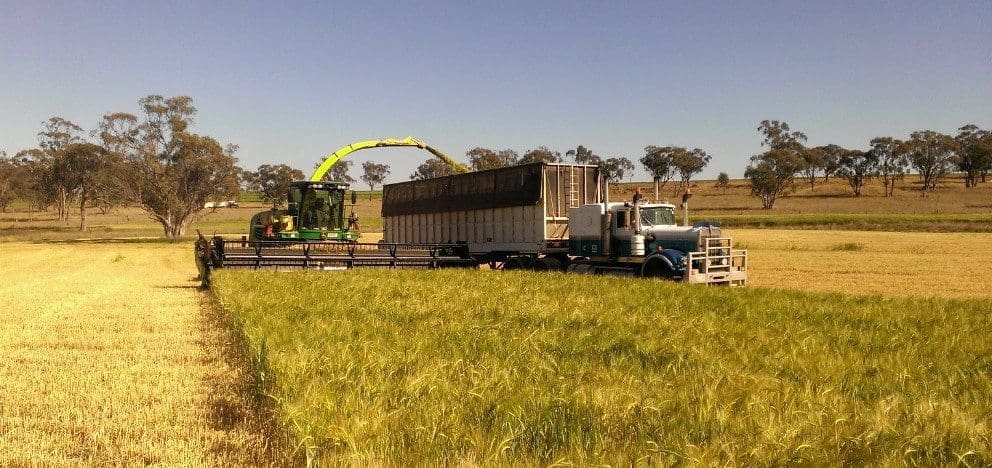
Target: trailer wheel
x,y
513,264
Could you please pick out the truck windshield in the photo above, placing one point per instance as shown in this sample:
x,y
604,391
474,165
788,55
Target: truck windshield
x,y
657,216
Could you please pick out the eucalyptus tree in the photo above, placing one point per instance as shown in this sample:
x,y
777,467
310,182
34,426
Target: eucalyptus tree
x,y
857,168
931,154
484,158
974,153
272,181
772,173
433,167
616,169
657,161
892,163
689,163
374,174
170,172
539,154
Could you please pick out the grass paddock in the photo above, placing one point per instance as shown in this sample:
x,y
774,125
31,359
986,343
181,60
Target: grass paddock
x,y
517,367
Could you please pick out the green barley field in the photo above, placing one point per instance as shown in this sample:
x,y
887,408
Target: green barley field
x,y
485,367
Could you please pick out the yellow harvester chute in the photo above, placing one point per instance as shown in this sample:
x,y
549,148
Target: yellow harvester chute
x,y
318,174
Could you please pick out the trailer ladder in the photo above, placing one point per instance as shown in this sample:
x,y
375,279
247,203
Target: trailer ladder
x,y
573,188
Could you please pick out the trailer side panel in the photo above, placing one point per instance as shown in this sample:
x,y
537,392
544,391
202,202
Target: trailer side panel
x,y
518,209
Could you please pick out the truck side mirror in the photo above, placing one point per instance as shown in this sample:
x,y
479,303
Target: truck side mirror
x,y
354,197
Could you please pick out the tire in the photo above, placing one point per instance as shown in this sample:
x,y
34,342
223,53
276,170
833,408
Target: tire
x,y
546,264
513,264
657,268
581,268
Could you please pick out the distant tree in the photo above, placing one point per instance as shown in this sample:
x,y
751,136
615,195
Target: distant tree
x,y
374,174
830,155
688,164
932,154
485,158
974,153
892,164
658,162
9,174
432,168
772,175
91,171
778,135
32,166
540,154
615,169
723,181
857,168
509,155
583,155
169,171
246,180
54,181
814,161
338,172
112,193
273,180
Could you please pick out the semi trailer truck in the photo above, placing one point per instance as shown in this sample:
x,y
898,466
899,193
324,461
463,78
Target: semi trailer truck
x,y
546,216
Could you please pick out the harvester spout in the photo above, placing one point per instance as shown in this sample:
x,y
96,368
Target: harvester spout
x,y
321,171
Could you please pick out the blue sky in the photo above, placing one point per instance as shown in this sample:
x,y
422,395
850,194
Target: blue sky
x,y
292,82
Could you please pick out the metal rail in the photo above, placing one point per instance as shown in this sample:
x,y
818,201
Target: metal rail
x,y
239,253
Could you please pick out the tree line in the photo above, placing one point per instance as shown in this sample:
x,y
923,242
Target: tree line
x,y
933,155
664,163
152,159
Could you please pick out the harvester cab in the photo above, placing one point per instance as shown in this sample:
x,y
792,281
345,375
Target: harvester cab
x,y
315,212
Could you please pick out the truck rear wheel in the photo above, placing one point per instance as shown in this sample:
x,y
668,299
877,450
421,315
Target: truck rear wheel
x,y
546,264
580,267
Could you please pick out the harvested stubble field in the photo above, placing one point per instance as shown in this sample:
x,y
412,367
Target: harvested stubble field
x,y
109,359
515,367
900,264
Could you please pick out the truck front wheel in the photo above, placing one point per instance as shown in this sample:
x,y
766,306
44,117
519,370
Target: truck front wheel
x,y
657,267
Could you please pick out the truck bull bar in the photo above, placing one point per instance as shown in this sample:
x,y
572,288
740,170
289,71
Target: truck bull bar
x,y
717,264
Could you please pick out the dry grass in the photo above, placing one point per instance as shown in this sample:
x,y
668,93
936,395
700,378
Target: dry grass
x,y
901,264
107,359
834,197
